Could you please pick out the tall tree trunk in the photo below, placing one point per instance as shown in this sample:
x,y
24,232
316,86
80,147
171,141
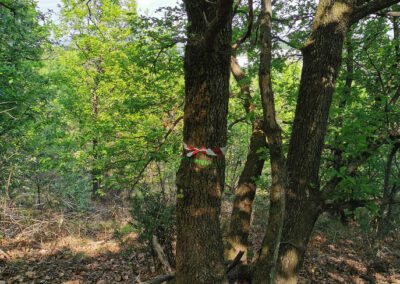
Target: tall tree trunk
x,y
265,267
321,62
239,226
199,249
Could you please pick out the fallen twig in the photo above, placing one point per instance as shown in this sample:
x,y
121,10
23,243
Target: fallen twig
x,y
161,255
160,278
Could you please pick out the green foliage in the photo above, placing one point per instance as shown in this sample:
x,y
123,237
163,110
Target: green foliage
x,y
99,106
23,90
117,97
153,215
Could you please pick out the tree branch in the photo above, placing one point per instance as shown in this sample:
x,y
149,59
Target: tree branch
x,y
353,164
12,9
249,30
265,266
161,255
369,8
223,15
7,111
160,278
390,13
163,48
139,176
236,122
235,10
287,43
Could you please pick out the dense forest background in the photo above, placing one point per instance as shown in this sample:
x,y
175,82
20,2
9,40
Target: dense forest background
x,y
91,131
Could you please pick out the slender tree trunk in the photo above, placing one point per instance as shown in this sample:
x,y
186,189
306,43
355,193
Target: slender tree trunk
x,y
265,267
239,226
389,215
9,183
39,199
387,193
199,249
95,171
349,72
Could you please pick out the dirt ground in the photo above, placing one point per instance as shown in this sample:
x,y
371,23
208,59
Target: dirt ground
x,y
49,247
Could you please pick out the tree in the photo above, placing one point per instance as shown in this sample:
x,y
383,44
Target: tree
x,y
118,90
199,255
298,175
23,93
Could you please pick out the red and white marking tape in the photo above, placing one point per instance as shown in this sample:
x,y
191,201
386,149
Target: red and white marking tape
x,y
218,152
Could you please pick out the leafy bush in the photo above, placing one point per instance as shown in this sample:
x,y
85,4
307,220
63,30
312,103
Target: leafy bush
x,y
152,214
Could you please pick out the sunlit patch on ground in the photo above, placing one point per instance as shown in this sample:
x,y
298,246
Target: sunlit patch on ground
x,y
43,251
351,257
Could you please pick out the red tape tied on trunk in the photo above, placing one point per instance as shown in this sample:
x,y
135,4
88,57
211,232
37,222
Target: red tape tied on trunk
x,y
218,152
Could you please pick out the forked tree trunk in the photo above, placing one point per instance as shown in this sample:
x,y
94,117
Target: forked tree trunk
x,y
199,249
199,244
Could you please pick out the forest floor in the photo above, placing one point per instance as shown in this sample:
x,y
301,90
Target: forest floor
x,y
53,247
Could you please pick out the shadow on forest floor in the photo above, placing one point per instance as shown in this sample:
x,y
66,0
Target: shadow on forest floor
x,y
72,260
53,247
349,256
44,252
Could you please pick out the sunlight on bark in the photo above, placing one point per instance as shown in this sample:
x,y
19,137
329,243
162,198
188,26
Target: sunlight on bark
x,y
289,263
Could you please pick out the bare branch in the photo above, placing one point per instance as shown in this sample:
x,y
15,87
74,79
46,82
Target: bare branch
x,y
160,278
236,122
163,48
396,96
239,75
7,103
235,10
235,262
287,43
7,111
390,13
161,255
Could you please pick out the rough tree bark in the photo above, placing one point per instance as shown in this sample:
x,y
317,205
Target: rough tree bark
x,y
321,61
239,226
265,267
199,249
199,245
